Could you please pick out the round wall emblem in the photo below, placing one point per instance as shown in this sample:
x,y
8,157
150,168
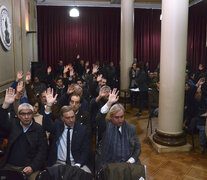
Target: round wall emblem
x,y
5,28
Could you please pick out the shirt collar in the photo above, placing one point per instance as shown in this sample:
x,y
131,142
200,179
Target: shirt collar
x,y
66,127
25,129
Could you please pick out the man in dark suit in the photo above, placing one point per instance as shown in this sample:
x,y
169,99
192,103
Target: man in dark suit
x,y
82,116
70,144
119,142
27,143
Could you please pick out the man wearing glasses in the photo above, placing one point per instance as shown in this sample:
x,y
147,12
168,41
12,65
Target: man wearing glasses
x,y
27,144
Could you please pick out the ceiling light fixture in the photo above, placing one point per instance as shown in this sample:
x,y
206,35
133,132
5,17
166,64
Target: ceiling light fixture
x,y
74,12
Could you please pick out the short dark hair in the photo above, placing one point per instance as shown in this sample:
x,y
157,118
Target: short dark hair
x,y
76,94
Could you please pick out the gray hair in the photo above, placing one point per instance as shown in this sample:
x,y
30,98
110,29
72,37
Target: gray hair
x,y
65,109
78,89
116,108
106,88
25,106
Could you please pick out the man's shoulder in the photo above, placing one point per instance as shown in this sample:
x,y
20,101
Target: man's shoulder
x,y
82,113
36,126
79,127
130,126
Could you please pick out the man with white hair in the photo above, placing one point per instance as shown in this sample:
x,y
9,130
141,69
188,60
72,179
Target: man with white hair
x,y
27,144
118,141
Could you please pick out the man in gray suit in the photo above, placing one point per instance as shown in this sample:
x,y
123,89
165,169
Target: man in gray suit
x,y
118,141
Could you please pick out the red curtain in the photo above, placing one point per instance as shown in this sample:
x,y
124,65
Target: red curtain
x,y
196,48
95,35
147,28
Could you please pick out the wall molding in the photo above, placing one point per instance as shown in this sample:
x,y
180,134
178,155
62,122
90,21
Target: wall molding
x,y
3,83
2,93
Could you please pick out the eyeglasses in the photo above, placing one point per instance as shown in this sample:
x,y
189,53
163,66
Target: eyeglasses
x,y
26,114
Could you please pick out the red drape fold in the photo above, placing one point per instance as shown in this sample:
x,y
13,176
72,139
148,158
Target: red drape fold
x,y
95,35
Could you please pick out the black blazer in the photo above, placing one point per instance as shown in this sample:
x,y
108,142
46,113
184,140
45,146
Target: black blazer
x,y
35,136
83,118
80,145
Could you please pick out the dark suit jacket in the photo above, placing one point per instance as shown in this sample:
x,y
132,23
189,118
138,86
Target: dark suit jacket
x,y
35,136
80,145
142,81
135,147
83,117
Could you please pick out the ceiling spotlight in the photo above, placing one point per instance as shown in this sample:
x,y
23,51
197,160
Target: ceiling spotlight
x,y
74,12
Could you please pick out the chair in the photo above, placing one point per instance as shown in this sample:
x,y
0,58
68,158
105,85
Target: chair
x,y
12,175
122,171
43,175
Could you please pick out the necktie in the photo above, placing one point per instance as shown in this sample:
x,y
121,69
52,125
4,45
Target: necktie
x,y
68,162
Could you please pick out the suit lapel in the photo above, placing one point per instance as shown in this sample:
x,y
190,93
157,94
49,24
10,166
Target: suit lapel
x,y
75,135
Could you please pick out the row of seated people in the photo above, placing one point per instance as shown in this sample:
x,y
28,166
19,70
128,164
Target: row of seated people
x,y
195,105
68,126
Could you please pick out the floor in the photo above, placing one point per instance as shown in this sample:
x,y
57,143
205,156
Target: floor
x,y
167,166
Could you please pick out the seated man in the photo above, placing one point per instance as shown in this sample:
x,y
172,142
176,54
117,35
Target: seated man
x,y
119,142
27,144
69,144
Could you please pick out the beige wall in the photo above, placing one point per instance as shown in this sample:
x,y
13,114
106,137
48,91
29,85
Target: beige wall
x,y
24,45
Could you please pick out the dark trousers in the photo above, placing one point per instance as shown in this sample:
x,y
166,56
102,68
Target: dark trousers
x,y
143,100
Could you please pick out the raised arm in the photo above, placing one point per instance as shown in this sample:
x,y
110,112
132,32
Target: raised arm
x,y
19,94
50,99
47,123
113,97
9,99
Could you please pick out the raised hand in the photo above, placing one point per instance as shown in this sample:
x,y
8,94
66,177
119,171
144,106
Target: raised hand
x,y
200,67
99,77
66,69
87,70
9,98
101,92
49,97
28,77
95,69
49,70
113,97
200,82
70,89
19,75
70,67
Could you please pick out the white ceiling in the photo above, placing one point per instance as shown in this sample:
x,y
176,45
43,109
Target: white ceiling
x,y
155,4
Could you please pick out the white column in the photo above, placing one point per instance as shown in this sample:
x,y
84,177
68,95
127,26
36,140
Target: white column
x,y
172,66
127,41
